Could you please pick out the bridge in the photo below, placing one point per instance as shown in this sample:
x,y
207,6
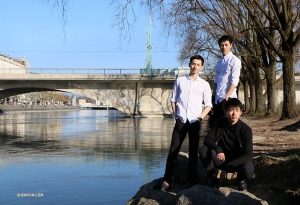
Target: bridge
x,y
143,95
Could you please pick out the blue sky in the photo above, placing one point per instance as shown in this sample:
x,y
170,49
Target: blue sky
x,y
33,30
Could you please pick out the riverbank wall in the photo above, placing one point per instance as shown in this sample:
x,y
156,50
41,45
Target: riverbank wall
x,y
32,108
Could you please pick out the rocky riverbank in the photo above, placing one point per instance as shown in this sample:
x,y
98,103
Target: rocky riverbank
x,y
276,180
31,108
227,194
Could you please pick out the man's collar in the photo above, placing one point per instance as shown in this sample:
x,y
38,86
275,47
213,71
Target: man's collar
x,y
189,77
228,55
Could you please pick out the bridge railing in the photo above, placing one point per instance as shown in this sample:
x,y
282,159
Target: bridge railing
x,y
83,71
106,71
118,71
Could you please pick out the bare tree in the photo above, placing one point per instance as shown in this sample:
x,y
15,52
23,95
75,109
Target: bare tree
x,y
283,18
50,96
275,31
244,80
202,23
61,6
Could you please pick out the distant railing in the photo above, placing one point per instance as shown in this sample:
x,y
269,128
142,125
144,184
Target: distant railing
x,y
84,71
167,71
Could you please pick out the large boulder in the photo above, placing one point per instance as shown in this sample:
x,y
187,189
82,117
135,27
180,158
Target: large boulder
x,y
204,195
198,194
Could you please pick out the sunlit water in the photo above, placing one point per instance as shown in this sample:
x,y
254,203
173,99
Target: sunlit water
x,y
79,157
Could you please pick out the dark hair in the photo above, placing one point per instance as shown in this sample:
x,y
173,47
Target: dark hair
x,y
234,102
198,57
225,38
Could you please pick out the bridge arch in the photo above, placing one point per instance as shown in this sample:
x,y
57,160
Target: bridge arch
x,y
133,97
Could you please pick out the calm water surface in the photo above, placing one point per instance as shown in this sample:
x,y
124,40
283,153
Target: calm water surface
x,y
79,157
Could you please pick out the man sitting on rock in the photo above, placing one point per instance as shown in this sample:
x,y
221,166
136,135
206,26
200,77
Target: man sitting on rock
x,y
229,147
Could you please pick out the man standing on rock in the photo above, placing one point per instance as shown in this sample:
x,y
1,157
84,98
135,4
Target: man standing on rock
x,y
228,146
189,93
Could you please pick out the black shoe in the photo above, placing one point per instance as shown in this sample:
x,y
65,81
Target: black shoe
x,y
242,185
162,186
213,183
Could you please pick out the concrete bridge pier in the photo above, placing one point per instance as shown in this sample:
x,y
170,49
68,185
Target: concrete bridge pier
x,y
137,99
153,99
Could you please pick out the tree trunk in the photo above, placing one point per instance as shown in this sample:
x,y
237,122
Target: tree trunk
x,y
252,95
246,96
270,75
260,102
289,95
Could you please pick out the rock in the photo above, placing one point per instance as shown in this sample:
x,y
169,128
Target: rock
x,y
203,195
198,194
146,195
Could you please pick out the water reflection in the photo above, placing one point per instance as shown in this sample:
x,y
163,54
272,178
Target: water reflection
x,y
85,130
80,153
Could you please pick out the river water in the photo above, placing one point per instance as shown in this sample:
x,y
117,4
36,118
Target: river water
x,y
79,157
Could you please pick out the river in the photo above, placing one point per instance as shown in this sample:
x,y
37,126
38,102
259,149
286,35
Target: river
x,y
79,157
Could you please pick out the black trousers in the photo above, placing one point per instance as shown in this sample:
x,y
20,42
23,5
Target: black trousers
x,y
180,132
208,158
218,112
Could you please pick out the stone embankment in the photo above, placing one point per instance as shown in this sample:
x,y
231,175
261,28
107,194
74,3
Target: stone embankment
x,y
227,194
18,108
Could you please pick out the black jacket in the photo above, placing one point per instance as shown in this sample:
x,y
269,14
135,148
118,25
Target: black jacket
x,y
244,134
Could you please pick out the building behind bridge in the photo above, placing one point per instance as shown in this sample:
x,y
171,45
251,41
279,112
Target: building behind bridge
x,y
13,65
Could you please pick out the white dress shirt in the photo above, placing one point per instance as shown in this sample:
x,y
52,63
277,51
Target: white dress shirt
x,y
227,72
189,96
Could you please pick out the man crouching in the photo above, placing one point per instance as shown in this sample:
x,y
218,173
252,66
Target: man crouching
x,y
229,147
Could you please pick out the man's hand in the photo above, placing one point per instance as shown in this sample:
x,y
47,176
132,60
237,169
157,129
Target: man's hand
x,y
221,157
227,97
230,91
223,174
175,118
